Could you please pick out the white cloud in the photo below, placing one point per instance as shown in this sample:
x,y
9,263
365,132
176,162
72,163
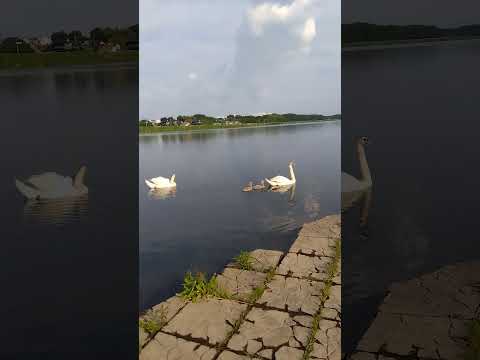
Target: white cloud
x,y
308,33
271,13
242,71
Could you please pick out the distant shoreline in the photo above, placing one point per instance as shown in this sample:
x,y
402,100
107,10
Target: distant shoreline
x,y
25,61
197,128
394,44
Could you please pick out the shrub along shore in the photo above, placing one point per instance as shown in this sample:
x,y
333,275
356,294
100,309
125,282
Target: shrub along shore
x,y
203,122
52,59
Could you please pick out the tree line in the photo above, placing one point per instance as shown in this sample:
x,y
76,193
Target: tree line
x,y
365,32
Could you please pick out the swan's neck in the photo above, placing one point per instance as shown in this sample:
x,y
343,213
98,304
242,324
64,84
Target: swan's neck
x,y
364,169
79,178
172,179
292,174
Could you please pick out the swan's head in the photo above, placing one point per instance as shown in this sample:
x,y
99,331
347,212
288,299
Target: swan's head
x,y
364,140
291,163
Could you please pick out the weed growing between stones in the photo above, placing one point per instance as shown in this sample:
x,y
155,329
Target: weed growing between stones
x,y
153,321
473,352
252,298
331,270
244,260
197,287
258,291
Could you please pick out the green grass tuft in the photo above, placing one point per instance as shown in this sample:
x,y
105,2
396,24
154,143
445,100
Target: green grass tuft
x,y
332,269
244,260
153,321
196,286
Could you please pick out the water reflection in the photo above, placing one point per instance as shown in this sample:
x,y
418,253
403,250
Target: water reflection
x,y
286,189
204,136
56,211
212,220
162,194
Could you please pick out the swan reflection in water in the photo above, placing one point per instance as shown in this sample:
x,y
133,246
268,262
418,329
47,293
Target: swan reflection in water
x,y
285,189
354,190
56,211
162,194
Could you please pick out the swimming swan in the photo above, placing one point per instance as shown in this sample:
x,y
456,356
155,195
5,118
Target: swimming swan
x,y
352,188
161,182
282,180
51,185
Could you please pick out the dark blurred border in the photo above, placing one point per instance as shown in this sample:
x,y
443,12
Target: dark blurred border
x,y
69,97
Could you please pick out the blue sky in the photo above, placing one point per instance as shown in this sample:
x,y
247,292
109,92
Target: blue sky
x,y
218,57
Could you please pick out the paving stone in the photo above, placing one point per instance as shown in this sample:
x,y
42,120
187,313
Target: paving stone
x,y
170,307
304,320
441,293
362,356
207,320
327,343
318,237
240,283
303,266
228,355
143,337
253,346
334,300
331,314
292,294
432,337
267,353
263,260
167,347
269,329
288,353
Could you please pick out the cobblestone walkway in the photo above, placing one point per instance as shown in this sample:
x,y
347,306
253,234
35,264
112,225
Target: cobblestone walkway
x,y
286,307
426,317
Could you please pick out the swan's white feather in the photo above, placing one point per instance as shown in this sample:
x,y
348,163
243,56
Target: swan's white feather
x,y
160,183
352,184
160,180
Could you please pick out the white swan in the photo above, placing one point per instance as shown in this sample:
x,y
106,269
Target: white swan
x,y
282,180
352,188
161,182
51,185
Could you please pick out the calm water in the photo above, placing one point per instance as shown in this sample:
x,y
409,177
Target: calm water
x,y
209,219
419,106
64,274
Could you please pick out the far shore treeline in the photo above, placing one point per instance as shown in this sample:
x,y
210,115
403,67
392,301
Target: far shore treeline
x,y
361,32
200,121
99,46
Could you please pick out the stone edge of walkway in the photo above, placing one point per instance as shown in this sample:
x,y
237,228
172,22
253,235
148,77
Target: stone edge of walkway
x,y
306,238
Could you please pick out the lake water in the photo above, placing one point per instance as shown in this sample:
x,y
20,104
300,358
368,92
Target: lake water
x,y
419,107
209,220
69,268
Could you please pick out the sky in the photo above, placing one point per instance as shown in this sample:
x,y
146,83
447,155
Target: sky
x,y
442,13
218,57
28,18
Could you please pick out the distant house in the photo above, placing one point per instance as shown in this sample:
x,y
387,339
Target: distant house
x,y
196,122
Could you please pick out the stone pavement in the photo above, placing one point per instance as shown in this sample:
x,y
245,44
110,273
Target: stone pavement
x,y
281,308
426,317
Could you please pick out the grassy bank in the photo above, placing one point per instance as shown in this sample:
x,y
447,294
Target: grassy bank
x,y
160,129
52,59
